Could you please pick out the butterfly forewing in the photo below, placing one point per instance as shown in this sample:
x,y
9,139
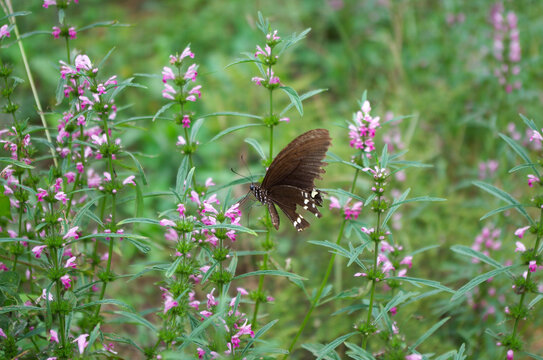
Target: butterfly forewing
x,y
290,179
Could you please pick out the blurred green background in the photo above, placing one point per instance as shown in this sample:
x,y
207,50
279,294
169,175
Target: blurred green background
x,y
430,59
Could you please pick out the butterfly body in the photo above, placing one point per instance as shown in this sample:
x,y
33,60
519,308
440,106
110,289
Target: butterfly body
x,y
289,181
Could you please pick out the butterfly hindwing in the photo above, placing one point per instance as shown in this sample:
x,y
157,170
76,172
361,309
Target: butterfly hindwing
x,y
287,197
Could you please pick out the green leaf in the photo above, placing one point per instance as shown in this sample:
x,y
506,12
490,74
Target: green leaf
x,y
302,98
358,353
181,174
195,128
315,348
479,279
519,150
5,206
16,163
139,220
124,340
535,301
138,166
427,334
255,144
259,333
18,308
173,267
293,39
345,193
392,208
242,61
5,240
232,129
104,301
464,250
530,123
113,23
139,201
533,356
93,336
232,113
334,344
425,282
395,301
137,319
499,210
228,227
500,194
294,98
163,109
271,273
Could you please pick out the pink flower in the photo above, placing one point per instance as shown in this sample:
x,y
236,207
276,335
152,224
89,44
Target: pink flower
x,y
242,291
37,250
180,141
167,74
82,62
209,182
532,266
41,194
211,299
353,211
520,231
181,209
70,177
47,3
72,33
393,311
285,119
244,329
334,203
66,281
169,303
2,333
79,167
4,31
413,357
61,196
273,36
196,91
82,342
407,261
56,32
186,121
266,52
520,247
510,354
54,336
70,263
201,353
206,313
191,72
166,222
536,135
72,233
186,52
532,179
129,180
168,92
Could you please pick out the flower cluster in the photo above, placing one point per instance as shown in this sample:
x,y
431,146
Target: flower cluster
x,y
506,36
390,258
4,32
487,169
351,211
531,139
362,129
181,90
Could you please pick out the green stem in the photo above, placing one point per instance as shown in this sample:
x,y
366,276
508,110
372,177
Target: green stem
x,y
323,282
68,50
264,266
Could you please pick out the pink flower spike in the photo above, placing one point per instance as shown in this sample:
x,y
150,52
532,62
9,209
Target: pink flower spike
x,y
72,233
82,342
61,196
532,266
166,222
70,263
130,180
520,247
66,281
37,250
2,333
186,53
54,336
520,231
186,121
79,167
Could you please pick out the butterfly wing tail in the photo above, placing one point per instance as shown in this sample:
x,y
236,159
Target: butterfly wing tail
x,y
274,215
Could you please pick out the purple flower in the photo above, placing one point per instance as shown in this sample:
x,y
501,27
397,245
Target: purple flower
x,y
41,194
72,233
70,177
169,303
2,333
61,196
413,357
181,209
532,179
201,353
167,74
47,3
532,266
510,354
72,33
168,92
520,247
186,121
166,222
129,180
70,263
191,72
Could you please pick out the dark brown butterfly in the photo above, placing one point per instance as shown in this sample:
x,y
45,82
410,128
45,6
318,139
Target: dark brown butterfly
x,y
290,178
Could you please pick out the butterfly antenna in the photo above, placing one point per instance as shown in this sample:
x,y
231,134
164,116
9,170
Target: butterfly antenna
x,y
247,167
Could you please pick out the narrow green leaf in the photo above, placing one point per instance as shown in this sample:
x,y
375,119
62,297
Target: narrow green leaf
x,y
302,98
16,163
104,301
93,336
163,109
499,210
138,221
255,144
173,267
137,319
357,352
181,174
195,128
500,194
464,250
425,282
232,129
6,240
519,150
271,273
294,98
529,122
533,356
139,201
334,344
228,227
479,279
427,334
259,333
138,166
231,113
535,301
395,301
392,208
17,308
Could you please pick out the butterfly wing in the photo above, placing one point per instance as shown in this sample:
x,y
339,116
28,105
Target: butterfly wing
x,y
300,162
287,197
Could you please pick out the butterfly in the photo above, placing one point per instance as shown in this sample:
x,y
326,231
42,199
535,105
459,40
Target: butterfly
x,y
289,180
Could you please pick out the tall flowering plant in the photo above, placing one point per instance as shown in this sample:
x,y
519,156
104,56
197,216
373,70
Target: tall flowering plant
x,y
522,272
